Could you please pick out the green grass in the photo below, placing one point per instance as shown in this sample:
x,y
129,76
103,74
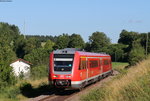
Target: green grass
x,y
138,90
119,65
25,89
9,93
134,85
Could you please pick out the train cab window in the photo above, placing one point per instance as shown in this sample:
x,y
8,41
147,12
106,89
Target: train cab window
x,y
93,63
63,64
106,62
82,64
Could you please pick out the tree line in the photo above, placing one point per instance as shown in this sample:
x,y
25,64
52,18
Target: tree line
x,y
131,47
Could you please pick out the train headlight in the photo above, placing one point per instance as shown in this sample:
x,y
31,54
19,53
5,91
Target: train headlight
x,y
55,76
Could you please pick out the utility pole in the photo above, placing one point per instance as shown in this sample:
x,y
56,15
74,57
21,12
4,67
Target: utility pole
x,y
115,57
146,44
24,29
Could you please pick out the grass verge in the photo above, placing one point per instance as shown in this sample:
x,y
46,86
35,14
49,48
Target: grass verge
x,y
25,89
130,86
119,66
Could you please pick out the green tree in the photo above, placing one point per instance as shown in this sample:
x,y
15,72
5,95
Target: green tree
x,y
128,37
9,33
42,38
49,45
117,52
31,43
145,37
98,41
6,75
37,56
6,43
87,46
76,41
137,53
62,41
19,45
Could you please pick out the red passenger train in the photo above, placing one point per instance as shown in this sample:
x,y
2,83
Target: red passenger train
x,y
70,68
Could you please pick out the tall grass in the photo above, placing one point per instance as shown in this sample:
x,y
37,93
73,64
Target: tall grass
x,y
25,89
131,86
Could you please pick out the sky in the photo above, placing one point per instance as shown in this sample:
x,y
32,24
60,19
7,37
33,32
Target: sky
x,y
54,17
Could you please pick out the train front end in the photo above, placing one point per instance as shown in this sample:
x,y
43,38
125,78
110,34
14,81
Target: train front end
x,y
60,68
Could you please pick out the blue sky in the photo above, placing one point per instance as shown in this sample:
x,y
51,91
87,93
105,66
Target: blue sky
x,y
54,17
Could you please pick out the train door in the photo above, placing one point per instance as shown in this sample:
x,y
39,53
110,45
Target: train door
x,y
105,65
83,68
88,68
101,65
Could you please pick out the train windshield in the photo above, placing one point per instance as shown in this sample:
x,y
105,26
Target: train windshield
x,y
63,64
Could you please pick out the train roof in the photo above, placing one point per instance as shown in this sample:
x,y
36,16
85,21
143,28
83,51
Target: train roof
x,y
66,51
92,54
73,50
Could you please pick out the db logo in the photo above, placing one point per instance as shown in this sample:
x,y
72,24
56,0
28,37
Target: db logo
x,y
62,76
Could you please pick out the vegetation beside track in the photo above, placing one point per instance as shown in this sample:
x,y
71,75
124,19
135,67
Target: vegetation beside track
x,y
132,85
119,66
25,89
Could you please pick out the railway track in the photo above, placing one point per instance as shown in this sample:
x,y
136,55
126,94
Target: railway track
x,y
59,95
70,95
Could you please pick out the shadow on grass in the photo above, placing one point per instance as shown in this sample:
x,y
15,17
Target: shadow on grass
x,y
27,90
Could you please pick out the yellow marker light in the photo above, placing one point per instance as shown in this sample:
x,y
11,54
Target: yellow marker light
x,y
55,76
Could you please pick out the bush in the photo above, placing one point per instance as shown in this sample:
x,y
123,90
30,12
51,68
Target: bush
x,y
9,92
6,76
38,72
137,53
26,89
25,86
12,92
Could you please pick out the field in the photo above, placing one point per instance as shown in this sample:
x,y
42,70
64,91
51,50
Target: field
x,y
131,84
24,90
119,66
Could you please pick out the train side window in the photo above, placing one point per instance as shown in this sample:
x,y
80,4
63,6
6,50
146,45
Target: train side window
x,y
106,62
93,63
82,64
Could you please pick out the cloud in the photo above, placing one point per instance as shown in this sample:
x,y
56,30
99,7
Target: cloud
x,y
135,21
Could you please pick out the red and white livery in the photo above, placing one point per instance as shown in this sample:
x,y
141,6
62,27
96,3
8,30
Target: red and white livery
x,y
69,68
